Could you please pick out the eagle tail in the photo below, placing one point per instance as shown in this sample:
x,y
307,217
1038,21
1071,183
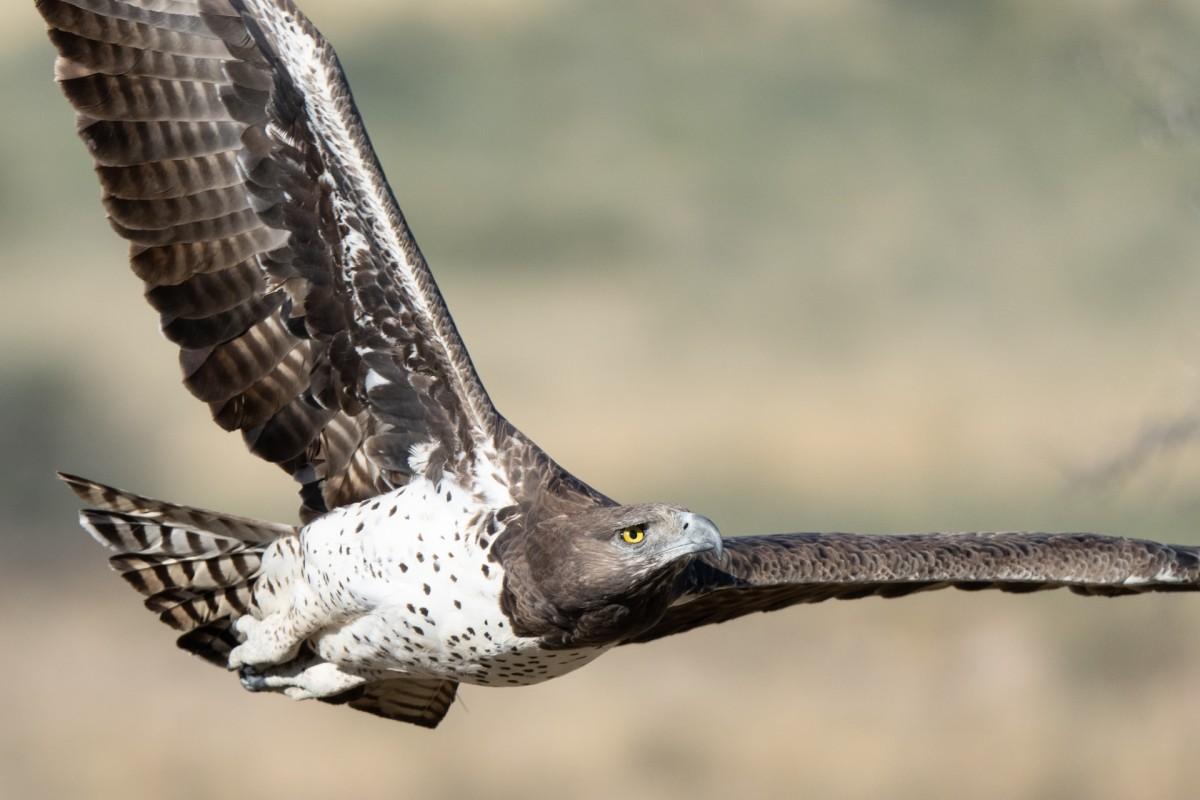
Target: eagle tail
x,y
197,569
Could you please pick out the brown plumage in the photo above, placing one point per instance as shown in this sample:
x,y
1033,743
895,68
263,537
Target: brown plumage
x,y
233,161
765,573
212,171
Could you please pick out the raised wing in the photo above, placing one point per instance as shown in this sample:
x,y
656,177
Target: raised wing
x,y
766,573
232,158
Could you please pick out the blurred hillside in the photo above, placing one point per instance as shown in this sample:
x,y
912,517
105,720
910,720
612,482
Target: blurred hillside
x,y
853,265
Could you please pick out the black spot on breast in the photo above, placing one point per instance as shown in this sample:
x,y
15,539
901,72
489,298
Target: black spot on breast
x,y
457,604
392,511
425,588
411,608
421,557
359,528
418,630
447,497
485,570
403,567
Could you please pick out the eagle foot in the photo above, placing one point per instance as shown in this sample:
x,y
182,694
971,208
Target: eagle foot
x,y
253,680
303,679
264,641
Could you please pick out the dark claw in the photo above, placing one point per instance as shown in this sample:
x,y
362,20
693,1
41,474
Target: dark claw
x,y
251,680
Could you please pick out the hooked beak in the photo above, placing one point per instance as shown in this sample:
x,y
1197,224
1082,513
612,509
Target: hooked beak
x,y
702,535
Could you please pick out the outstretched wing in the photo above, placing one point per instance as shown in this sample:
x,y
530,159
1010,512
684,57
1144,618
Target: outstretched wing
x,y
766,573
233,159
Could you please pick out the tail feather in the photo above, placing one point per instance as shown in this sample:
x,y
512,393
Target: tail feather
x,y
213,642
187,611
150,574
196,568
125,533
212,523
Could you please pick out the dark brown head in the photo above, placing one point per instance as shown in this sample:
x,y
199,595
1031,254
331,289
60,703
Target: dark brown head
x,y
608,571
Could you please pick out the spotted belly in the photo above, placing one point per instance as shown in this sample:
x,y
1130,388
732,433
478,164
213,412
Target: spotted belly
x,y
408,583
469,651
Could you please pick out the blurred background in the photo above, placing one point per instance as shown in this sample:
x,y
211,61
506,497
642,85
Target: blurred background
x,y
832,265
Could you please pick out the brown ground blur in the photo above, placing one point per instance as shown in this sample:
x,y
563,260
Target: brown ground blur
x,y
829,265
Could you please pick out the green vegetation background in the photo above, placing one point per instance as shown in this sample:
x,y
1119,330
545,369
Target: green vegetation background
x,y
832,265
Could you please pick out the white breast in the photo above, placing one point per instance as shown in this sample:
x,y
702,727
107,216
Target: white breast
x,y
410,585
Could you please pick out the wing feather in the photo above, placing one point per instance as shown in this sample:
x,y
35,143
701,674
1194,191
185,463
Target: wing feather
x,y
766,573
233,160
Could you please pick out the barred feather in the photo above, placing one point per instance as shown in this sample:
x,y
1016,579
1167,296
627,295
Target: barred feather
x,y
126,533
268,240
196,568
421,702
151,574
213,524
213,642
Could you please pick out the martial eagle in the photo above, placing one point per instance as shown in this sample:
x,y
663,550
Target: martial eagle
x,y
437,544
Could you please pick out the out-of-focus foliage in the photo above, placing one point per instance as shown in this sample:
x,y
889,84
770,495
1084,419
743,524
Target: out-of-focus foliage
x,y
826,265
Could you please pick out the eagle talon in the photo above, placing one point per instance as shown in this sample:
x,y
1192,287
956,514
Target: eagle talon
x,y
252,680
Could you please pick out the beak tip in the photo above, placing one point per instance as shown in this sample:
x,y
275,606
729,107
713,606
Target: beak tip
x,y
706,536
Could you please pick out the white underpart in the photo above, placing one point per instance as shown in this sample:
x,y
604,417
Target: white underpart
x,y
311,65
404,583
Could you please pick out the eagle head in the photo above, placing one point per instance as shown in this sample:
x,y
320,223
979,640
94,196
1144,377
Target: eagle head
x,y
608,572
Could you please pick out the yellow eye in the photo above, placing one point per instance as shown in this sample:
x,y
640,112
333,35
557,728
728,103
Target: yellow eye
x,y
633,535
